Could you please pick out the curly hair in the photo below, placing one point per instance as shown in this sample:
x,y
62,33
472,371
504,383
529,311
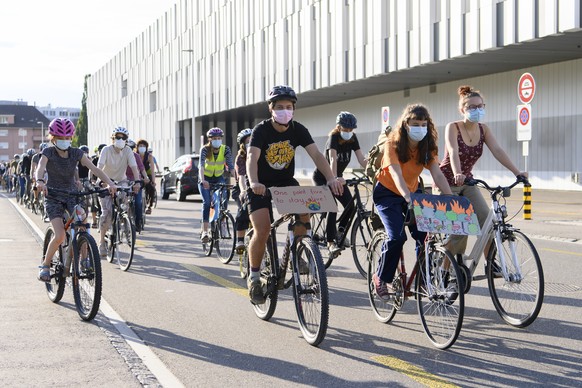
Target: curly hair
x,y
427,147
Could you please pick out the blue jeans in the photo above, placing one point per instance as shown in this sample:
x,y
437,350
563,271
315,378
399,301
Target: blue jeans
x,y
206,199
138,202
392,209
22,180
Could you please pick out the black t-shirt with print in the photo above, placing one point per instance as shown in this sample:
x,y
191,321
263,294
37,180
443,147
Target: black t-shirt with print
x,y
344,154
276,164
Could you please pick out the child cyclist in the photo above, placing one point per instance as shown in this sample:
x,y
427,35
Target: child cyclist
x,y
411,147
60,163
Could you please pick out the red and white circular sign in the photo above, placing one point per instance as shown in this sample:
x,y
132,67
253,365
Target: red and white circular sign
x,y
526,88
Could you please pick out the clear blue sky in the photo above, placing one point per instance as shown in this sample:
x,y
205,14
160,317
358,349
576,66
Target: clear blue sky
x,y
47,47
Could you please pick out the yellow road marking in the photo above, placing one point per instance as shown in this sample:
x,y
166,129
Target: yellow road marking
x,y
140,243
561,251
415,373
217,279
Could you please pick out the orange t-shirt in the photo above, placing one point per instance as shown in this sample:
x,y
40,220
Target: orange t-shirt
x,y
411,170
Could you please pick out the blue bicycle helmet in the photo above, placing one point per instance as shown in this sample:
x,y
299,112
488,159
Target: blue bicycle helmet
x,y
282,92
347,120
214,132
242,135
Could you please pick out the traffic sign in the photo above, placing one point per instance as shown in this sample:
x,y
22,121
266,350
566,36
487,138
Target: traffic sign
x,y
523,122
385,117
526,88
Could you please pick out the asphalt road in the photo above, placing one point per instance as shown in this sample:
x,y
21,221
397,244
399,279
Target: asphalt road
x,y
180,318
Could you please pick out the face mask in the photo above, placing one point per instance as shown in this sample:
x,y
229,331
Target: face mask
x,y
417,133
346,135
248,145
475,115
119,143
283,116
216,143
141,150
63,145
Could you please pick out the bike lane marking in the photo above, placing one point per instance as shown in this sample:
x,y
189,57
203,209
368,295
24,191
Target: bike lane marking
x,y
217,279
561,251
414,372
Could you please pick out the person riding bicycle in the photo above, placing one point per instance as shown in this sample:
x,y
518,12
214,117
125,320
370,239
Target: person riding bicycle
x,y
412,145
95,205
114,160
338,151
24,172
243,139
60,161
148,161
138,199
214,158
271,163
464,140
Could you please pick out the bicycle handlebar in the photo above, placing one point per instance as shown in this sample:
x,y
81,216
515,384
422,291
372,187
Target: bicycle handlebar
x,y
356,181
479,182
101,192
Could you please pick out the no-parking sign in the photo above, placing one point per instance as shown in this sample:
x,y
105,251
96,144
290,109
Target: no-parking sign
x,y
524,122
385,116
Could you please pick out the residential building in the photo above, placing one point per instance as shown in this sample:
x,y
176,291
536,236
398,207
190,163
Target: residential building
x,y
21,128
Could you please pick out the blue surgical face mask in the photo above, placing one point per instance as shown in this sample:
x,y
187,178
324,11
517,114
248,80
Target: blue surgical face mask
x,y
475,115
346,135
63,145
216,143
417,133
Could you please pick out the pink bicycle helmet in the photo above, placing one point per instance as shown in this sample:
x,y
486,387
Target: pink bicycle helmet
x,y
61,127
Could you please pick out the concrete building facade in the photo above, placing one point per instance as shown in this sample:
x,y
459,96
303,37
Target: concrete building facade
x,y
212,62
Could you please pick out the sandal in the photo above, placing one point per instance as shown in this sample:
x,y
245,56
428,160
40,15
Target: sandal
x,y
44,275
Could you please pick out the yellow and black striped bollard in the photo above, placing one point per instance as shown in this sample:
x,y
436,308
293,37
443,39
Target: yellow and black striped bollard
x,y
527,202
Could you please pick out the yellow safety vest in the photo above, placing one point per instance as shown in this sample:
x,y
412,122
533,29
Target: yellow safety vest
x,y
213,168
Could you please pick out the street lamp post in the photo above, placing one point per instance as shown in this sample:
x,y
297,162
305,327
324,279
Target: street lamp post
x,y
42,131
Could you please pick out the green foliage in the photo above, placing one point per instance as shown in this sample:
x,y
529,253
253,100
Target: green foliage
x,y
82,127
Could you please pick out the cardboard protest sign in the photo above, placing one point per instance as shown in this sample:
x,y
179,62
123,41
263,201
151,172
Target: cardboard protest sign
x,y
445,214
303,199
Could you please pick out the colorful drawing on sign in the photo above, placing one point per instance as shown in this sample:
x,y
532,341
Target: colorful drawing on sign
x,y
313,204
445,214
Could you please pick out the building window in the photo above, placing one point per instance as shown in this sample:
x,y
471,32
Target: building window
x,y
3,120
153,99
3,146
3,132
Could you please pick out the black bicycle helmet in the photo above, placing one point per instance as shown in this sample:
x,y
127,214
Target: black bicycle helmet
x,y
84,148
347,120
101,147
242,135
282,92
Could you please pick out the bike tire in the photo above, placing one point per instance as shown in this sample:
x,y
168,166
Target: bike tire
x,y
243,259
125,244
384,310
207,246
56,287
110,239
266,310
440,298
361,236
319,236
87,277
310,291
517,301
226,240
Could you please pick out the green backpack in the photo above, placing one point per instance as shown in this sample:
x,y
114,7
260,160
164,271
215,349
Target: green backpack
x,y
375,154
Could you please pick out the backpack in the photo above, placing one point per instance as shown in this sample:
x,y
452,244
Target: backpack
x,y
375,154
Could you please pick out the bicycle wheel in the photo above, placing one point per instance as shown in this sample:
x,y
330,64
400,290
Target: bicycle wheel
x,y
268,276
361,236
318,235
125,243
243,258
87,281
518,297
207,246
226,240
310,291
56,287
384,310
440,297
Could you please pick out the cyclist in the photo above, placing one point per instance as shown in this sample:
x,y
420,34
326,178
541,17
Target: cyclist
x,y
338,151
411,146
214,158
271,162
114,160
95,205
82,170
148,161
243,139
464,140
151,151
24,171
138,200
60,163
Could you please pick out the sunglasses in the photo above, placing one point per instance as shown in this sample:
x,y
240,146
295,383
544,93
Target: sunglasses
x,y
120,138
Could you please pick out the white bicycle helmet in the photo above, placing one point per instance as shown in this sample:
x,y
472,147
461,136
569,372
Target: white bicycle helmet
x,y
122,130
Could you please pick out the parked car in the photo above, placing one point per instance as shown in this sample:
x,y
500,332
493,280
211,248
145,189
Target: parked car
x,y
181,178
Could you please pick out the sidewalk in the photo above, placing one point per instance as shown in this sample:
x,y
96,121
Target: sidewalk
x,y
46,344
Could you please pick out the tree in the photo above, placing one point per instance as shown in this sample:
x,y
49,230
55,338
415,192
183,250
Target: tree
x,y
82,127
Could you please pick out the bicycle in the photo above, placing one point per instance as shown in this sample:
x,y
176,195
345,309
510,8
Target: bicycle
x,y
77,257
354,216
513,268
221,233
120,237
438,292
308,278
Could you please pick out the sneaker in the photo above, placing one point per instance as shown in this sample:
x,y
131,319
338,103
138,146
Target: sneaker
x,y
346,243
204,237
451,287
240,247
103,249
149,210
333,248
380,288
255,291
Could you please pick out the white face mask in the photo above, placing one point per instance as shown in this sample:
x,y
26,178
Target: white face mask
x,y
141,150
63,145
475,115
346,135
417,133
119,143
216,143
283,116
